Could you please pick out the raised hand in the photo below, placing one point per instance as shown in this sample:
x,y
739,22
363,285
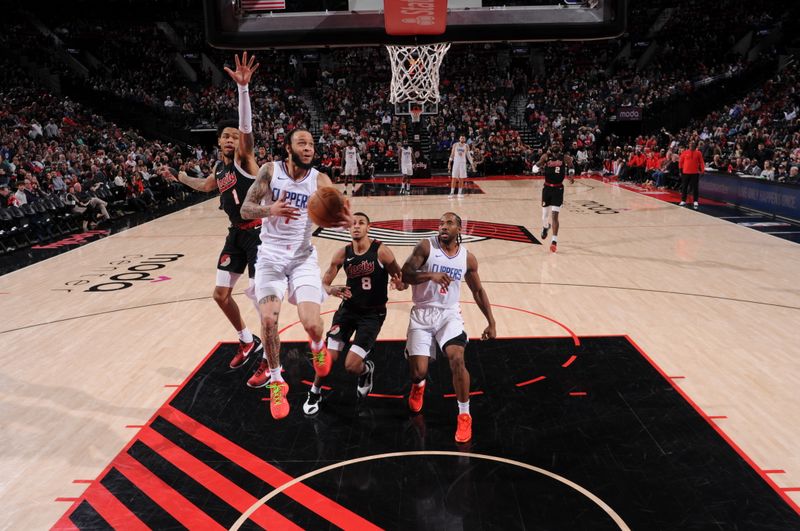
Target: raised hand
x,y
244,69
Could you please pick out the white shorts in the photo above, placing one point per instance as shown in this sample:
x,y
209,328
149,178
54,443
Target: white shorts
x,y
351,169
429,324
459,171
406,169
279,270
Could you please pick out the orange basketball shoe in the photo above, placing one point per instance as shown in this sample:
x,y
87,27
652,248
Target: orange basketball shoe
x,y
321,361
464,428
278,405
415,398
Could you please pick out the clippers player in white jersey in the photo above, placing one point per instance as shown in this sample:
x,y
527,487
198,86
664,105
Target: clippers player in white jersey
x,y
457,165
286,259
406,155
370,266
352,163
435,270
556,166
233,176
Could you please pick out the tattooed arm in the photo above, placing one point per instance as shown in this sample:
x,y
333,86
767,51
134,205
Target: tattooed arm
x,y
260,189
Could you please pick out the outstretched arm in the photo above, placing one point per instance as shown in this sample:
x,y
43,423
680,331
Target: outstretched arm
x,y
244,72
571,165
481,298
208,184
412,274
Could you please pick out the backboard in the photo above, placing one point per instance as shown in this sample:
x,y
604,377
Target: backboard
x,y
256,24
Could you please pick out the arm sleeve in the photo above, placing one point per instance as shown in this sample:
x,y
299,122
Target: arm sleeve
x,y
245,113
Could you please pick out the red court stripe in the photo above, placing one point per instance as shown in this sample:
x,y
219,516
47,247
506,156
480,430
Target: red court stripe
x,y
791,503
165,496
309,498
64,522
379,395
89,481
569,361
777,471
528,382
67,499
112,510
578,393
712,417
791,489
473,393
134,425
172,385
228,491
677,377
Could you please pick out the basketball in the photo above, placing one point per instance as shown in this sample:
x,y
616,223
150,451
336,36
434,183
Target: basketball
x,y
326,206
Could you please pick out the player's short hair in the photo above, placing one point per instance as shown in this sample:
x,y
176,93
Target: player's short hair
x,y
288,140
362,214
224,124
458,218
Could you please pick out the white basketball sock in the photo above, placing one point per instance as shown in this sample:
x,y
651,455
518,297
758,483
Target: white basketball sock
x,y
463,407
275,374
245,335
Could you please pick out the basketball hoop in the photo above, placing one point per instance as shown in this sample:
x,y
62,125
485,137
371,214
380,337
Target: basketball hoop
x,y
415,73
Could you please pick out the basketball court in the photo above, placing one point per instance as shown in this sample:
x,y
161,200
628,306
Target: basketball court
x,y
643,376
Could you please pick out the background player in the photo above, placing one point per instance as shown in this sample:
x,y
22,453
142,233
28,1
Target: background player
x,y
368,265
435,270
555,165
406,156
286,258
352,163
233,176
457,165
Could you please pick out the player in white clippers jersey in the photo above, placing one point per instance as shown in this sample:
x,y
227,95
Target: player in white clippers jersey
x,y
352,163
286,258
435,270
457,165
406,155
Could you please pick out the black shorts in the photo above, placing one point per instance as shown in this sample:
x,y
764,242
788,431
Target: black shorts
x,y
366,324
240,251
552,196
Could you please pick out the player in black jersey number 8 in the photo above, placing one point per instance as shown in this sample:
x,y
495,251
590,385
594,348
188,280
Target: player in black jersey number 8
x,y
369,266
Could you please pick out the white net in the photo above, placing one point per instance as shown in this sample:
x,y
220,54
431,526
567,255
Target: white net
x,y
415,72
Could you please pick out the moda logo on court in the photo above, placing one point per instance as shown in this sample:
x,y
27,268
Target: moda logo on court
x,y
409,232
122,273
